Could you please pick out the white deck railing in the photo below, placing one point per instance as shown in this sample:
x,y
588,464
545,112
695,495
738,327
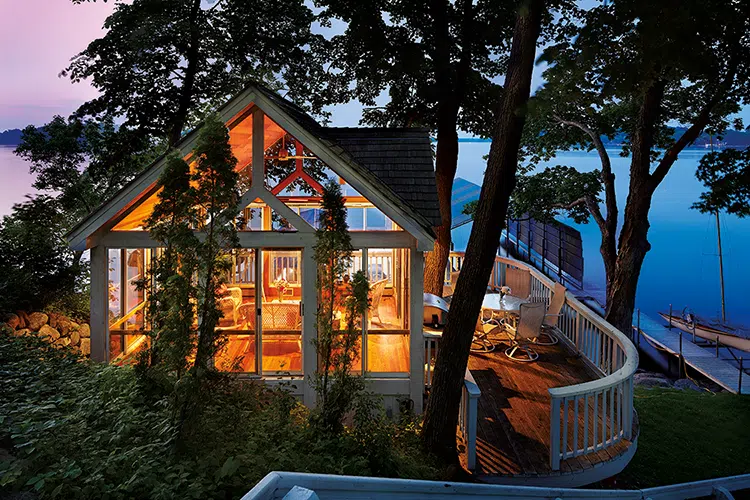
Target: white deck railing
x,y
467,418
587,417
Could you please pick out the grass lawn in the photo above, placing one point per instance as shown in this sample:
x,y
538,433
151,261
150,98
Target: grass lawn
x,y
688,436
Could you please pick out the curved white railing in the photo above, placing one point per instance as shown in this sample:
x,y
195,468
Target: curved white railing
x,y
587,417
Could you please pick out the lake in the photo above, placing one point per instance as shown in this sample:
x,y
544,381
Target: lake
x,y
681,268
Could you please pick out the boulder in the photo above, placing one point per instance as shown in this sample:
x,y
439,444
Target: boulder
x,y
49,333
75,338
24,319
84,331
64,326
37,320
646,380
85,346
54,318
22,332
13,321
686,384
62,341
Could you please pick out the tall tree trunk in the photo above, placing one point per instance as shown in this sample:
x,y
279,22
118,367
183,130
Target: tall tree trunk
x,y
191,71
446,163
633,244
452,87
441,417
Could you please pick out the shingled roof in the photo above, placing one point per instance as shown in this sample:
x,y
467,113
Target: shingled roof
x,y
401,158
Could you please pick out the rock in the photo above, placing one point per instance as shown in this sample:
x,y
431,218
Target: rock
x,y
85,347
54,318
647,380
75,338
64,326
24,319
37,320
62,341
22,332
49,333
13,321
686,384
84,331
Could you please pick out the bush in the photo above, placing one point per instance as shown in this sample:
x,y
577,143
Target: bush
x,y
76,429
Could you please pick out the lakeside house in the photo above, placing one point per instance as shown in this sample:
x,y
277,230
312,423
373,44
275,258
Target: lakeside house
x,y
566,419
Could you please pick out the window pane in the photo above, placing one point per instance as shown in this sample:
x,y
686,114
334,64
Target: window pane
x,y
388,353
281,312
355,217
377,221
238,355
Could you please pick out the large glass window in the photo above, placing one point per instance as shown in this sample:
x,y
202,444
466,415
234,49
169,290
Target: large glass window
x,y
263,301
127,302
388,316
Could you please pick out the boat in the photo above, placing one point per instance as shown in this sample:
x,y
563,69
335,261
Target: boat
x,y
728,335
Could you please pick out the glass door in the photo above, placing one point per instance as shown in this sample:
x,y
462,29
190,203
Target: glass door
x,y
281,312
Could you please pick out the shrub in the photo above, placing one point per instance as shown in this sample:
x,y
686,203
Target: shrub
x,y
76,429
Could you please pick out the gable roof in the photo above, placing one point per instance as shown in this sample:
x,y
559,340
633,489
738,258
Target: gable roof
x,y
391,161
399,157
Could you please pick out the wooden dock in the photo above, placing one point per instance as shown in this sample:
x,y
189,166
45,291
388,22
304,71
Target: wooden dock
x,y
702,360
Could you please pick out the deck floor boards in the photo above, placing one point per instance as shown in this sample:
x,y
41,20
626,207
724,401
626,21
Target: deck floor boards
x,y
513,424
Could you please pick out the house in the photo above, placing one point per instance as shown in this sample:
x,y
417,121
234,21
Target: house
x,y
284,155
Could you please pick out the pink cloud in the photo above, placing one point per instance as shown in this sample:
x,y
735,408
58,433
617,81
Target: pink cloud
x,y
38,38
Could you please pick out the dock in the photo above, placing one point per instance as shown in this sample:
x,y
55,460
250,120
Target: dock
x,y
702,360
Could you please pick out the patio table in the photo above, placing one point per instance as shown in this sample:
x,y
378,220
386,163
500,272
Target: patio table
x,y
505,306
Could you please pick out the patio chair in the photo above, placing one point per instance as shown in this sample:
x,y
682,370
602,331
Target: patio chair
x,y
481,341
376,294
529,324
450,289
549,327
519,281
229,312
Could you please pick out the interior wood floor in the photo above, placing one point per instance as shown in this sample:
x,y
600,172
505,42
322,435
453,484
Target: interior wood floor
x,y
513,425
387,353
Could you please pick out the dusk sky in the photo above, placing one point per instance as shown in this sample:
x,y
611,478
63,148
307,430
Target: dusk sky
x,y
37,40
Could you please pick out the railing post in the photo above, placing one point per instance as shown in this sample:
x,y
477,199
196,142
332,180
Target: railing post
x,y
554,435
471,431
742,370
717,346
670,316
638,330
679,368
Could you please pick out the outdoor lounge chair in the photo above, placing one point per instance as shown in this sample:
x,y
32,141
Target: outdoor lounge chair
x,y
481,341
549,327
519,281
529,325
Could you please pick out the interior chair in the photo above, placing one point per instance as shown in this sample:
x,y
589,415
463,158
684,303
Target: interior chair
x,y
229,312
519,281
448,290
376,295
521,337
550,332
481,341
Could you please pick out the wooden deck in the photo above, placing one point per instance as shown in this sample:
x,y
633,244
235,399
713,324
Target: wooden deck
x,y
513,427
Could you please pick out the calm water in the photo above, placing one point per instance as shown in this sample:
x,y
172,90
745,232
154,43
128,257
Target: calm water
x,y
681,268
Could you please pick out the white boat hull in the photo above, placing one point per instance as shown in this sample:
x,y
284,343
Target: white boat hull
x,y
708,332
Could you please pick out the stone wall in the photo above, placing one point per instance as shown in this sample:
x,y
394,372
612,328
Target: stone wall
x,y
55,328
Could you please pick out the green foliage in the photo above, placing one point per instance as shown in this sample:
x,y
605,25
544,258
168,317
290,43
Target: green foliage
x,y
36,268
726,176
162,63
338,390
556,190
74,429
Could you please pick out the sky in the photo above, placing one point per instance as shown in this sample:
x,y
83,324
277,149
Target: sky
x,y
37,40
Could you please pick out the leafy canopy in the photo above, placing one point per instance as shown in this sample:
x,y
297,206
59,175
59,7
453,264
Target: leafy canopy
x,y
726,175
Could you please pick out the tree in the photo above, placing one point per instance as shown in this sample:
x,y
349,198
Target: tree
x,y
214,194
438,63
726,176
441,417
35,265
163,62
82,163
338,348
169,281
630,70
